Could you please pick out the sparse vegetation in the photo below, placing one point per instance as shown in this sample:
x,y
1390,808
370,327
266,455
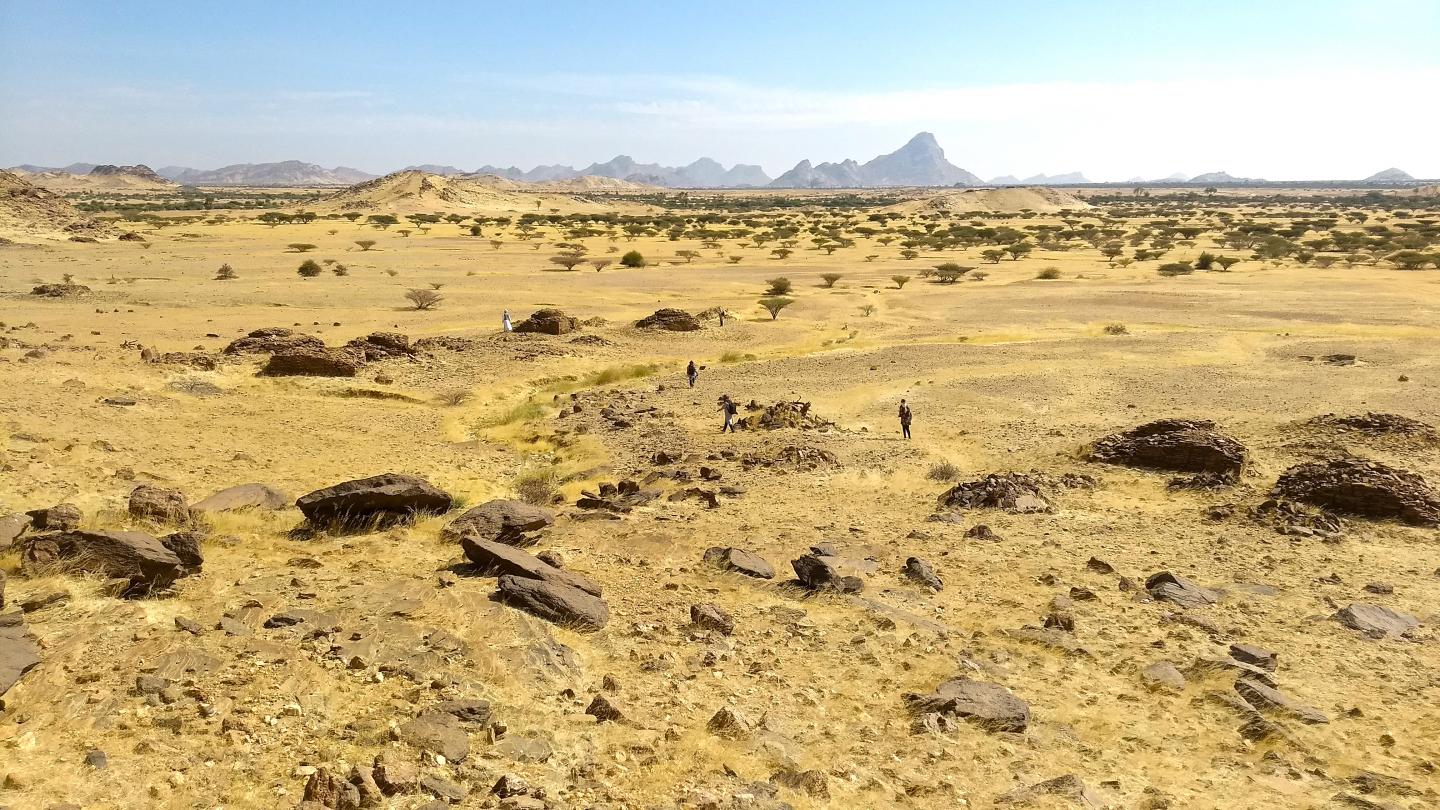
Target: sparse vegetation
x,y
310,269
774,305
778,286
1048,274
424,299
226,273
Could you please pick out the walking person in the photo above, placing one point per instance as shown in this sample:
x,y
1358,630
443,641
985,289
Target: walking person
x,y
905,417
505,321
727,406
722,317
692,373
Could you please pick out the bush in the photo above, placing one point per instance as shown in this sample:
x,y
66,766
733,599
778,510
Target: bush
x,y
365,244
899,281
1205,261
778,286
943,471
226,273
1048,274
1116,329
453,398
1175,269
340,270
300,247
309,269
632,259
424,299
868,310
537,487
830,278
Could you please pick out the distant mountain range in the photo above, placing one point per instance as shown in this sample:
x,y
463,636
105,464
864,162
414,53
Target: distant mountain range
x,y
920,162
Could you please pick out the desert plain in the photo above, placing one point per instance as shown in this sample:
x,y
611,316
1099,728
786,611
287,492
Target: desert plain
x,y
299,661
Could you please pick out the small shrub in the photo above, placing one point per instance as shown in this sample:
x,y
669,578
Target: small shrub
x,y
899,281
1049,273
309,269
300,247
424,299
778,286
1175,269
830,279
868,310
453,398
225,273
537,487
365,244
1116,329
943,471
632,259
340,270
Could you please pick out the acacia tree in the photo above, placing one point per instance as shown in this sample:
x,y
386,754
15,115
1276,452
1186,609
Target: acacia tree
x,y
567,261
300,247
773,305
778,286
899,281
830,279
365,244
601,264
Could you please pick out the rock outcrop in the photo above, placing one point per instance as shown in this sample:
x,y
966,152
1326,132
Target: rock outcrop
x,y
548,322
555,602
1178,445
505,521
670,320
273,339
141,559
314,362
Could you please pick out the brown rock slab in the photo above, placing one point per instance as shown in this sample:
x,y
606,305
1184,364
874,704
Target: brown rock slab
x,y
380,500
554,602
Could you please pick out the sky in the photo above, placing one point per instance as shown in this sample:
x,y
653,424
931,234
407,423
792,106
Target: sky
x,y
1280,89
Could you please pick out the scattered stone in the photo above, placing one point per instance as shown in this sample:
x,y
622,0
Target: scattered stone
x,y
1012,492
395,775
97,759
1163,676
502,559
1255,656
382,346
919,571
442,788
18,651
739,561
1267,698
1377,425
11,527
330,791
831,572
812,782
63,517
552,601
729,724
1289,517
1375,621
510,785
1168,587
1069,787
437,733
982,534
504,521
708,616
988,705
377,501
1360,487
244,496
1379,588
604,710
66,290
467,710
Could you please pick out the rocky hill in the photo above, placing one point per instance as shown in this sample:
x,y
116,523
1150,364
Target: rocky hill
x,y
703,173
995,200
284,173
27,209
920,162
1391,175
418,192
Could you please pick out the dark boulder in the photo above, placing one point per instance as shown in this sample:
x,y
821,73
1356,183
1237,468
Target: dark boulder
x,y
314,362
18,651
555,602
503,521
380,500
159,505
134,556
1180,445
709,616
499,558
739,561
244,496
186,546
829,572
59,290
671,320
918,571
548,322
273,339
1359,487
11,527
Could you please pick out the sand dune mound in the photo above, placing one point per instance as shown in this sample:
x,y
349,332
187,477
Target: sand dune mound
x,y
29,209
414,191
994,200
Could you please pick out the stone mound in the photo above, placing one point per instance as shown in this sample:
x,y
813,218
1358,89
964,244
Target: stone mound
x,y
450,343
380,500
1297,519
65,290
1022,493
783,415
1360,487
1376,424
798,457
314,362
548,322
1181,445
382,346
273,339
671,320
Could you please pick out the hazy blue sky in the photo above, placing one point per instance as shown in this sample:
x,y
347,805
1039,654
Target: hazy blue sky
x,y
1272,88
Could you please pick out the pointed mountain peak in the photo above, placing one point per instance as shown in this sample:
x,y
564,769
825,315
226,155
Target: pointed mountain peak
x,y
922,139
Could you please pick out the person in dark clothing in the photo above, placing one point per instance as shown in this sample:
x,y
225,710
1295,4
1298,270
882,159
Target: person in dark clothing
x,y
728,407
692,373
905,417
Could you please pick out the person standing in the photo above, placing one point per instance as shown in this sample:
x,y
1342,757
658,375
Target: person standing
x,y
505,321
727,406
905,417
692,373
722,317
